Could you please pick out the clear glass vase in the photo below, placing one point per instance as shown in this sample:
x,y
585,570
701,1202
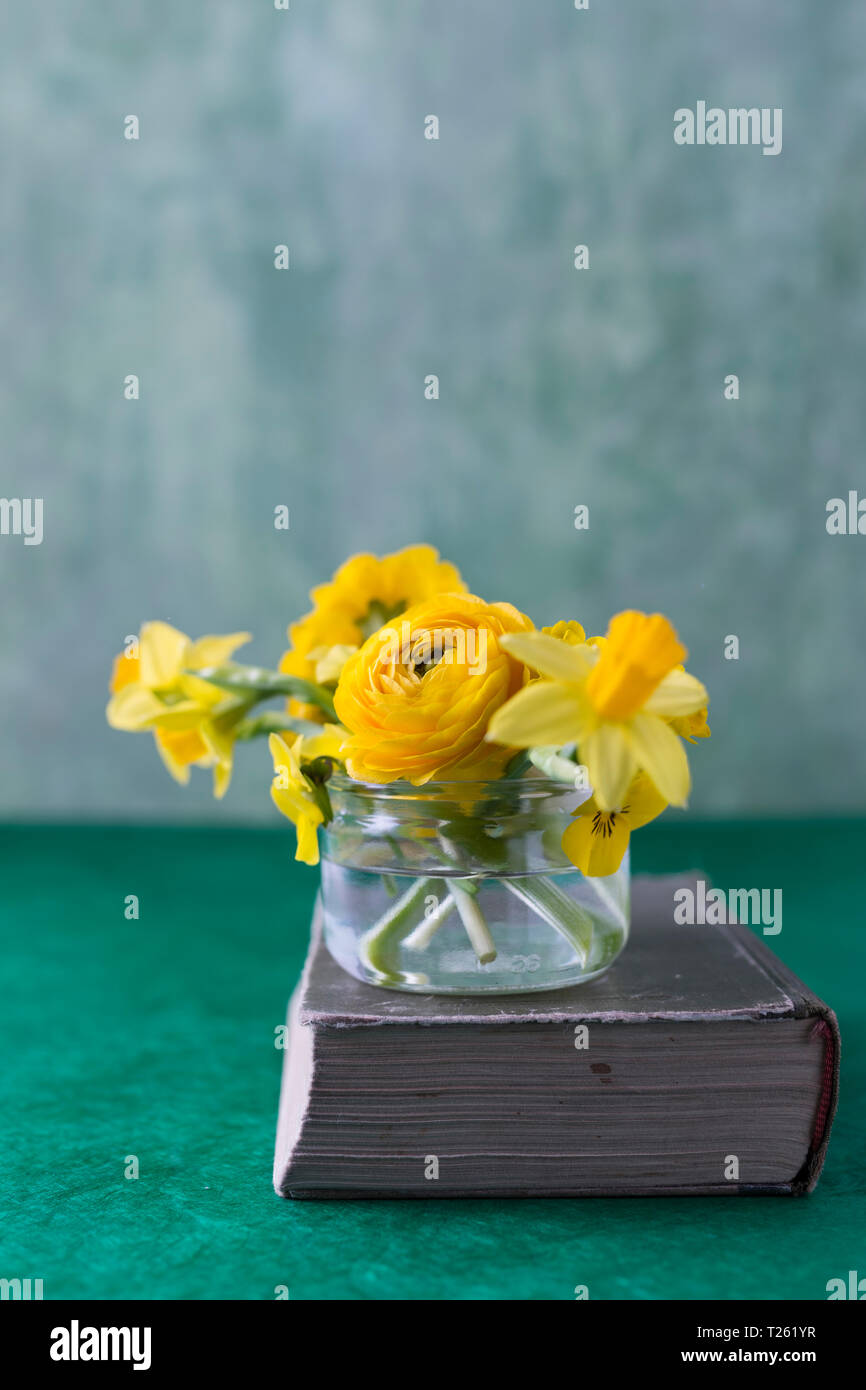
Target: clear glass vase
x,y
463,888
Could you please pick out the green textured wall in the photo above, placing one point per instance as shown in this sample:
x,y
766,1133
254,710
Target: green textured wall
x,y
409,257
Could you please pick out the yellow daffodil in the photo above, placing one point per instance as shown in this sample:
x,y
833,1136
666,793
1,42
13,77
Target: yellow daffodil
x,y
365,593
154,688
210,743
294,786
596,840
613,698
418,695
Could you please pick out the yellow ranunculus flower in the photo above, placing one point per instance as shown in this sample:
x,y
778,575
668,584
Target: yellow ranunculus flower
x,y
615,699
365,593
292,791
596,840
418,695
155,690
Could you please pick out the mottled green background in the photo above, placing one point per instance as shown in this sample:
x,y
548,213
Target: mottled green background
x,y
411,257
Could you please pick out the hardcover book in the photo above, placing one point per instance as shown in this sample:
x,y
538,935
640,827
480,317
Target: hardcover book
x,y
699,1064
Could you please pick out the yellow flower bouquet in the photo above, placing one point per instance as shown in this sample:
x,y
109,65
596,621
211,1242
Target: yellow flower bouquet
x,y
470,781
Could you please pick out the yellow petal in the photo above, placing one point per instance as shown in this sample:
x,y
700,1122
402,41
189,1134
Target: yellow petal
x,y
692,726
203,692
326,744
677,694
294,804
308,842
329,661
178,769
161,652
133,708
186,714
126,671
660,753
596,844
567,630
542,713
222,776
213,651
610,764
220,744
279,744
549,655
639,652
282,750
184,747
643,802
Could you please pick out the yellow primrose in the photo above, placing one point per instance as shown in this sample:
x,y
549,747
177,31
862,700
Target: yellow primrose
x,y
613,698
293,788
417,697
154,688
596,840
365,593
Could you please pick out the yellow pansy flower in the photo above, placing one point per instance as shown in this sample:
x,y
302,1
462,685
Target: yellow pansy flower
x,y
156,690
293,791
596,840
417,697
614,699
365,593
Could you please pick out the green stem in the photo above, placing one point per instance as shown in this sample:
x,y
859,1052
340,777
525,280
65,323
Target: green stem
x,y
558,768
374,944
420,938
517,765
607,899
255,680
473,920
557,909
274,722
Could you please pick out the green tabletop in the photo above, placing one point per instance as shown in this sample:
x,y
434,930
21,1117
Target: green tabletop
x,y
155,1038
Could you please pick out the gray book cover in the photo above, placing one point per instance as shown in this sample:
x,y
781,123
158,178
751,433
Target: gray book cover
x,y
698,1064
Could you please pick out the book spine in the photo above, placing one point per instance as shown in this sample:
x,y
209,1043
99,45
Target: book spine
x,y
825,1033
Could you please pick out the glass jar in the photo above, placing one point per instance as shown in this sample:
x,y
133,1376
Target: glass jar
x,y
463,888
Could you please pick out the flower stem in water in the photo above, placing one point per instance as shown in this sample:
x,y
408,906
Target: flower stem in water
x,y
557,909
374,944
420,938
473,920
